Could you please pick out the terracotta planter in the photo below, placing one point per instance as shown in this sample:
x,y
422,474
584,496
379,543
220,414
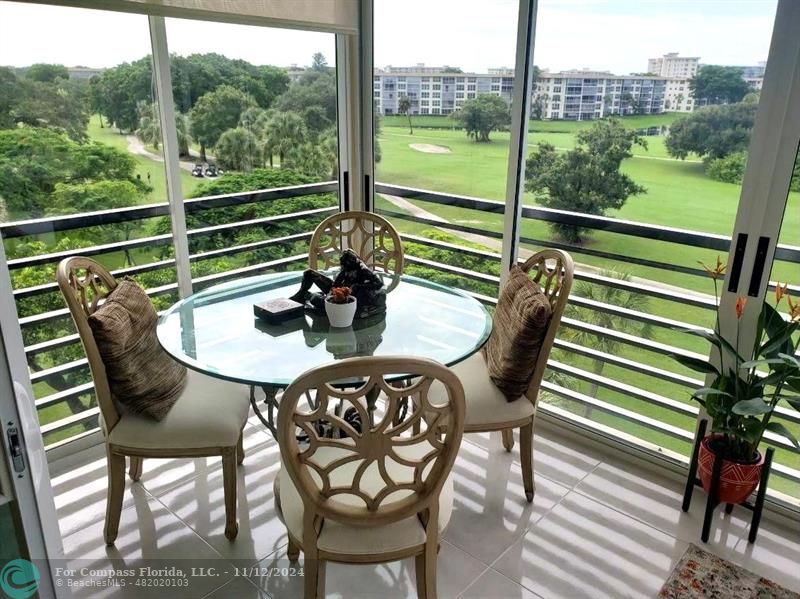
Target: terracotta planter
x,y
737,480
341,315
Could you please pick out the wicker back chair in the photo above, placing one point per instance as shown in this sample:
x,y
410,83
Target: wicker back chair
x,y
369,486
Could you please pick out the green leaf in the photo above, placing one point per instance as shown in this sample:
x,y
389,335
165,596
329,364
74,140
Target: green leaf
x,y
705,391
789,359
714,338
754,363
696,364
751,407
792,401
779,343
777,427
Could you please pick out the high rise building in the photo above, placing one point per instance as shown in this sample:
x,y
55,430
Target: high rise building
x,y
672,65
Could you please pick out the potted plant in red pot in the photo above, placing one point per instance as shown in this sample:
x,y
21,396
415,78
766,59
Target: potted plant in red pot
x,y
744,392
340,306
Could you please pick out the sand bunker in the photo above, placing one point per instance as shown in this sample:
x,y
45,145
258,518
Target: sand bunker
x,y
430,148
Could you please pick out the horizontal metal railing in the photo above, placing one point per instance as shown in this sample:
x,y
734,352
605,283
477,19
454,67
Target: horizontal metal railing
x,y
658,374
30,229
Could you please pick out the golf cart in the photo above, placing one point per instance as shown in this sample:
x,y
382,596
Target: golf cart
x,y
197,171
212,170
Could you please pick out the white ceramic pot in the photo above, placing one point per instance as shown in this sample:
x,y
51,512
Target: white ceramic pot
x,y
341,315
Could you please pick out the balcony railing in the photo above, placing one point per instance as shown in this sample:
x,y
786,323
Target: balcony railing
x,y
610,369
63,388
642,394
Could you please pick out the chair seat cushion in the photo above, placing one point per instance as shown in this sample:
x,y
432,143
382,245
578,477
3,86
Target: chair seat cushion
x,y
343,538
520,326
487,406
141,375
209,413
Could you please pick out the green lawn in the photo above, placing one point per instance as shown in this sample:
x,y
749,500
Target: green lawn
x,y
445,122
678,195
144,165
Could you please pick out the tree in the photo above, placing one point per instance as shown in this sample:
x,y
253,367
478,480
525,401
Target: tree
x,y
712,131
404,107
612,296
46,73
315,120
314,88
34,160
58,104
482,115
586,179
318,62
149,130
714,84
285,132
215,113
238,150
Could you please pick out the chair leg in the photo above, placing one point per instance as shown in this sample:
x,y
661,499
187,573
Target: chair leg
x,y
293,551
314,574
229,486
116,490
508,438
135,469
526,459
240,449
425,566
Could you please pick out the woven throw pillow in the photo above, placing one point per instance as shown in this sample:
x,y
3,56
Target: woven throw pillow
x,y
520,324
142,377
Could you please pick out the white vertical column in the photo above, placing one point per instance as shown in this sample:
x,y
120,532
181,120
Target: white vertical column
x,y
520,113
166,113
366,67
348,109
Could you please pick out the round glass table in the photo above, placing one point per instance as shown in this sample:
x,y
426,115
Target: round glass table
x,y
215,332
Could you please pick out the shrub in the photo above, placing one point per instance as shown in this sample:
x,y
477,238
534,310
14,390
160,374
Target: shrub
x,y
729,169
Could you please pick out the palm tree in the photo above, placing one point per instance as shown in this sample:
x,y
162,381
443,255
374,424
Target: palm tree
x,y
404,107
238,150
149,130
619,298
284,132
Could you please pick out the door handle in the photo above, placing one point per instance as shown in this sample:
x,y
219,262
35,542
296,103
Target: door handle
x,y
15,449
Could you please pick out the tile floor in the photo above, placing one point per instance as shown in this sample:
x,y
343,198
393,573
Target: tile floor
x,y
598,527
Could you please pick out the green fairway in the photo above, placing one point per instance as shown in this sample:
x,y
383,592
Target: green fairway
x,y
445,122
144,165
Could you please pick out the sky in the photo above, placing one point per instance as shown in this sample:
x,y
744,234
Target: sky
x,y
612,35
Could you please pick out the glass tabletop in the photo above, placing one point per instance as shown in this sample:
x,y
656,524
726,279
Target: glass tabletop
x,y
215,331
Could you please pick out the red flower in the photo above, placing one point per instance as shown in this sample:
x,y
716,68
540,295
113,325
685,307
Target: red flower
x,y
741,302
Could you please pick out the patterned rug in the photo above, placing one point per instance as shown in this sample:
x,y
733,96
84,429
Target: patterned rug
x,y
702,574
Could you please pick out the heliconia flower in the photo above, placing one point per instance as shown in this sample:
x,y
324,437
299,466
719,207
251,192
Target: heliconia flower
x,y
741,302
717,271
794,309
780,292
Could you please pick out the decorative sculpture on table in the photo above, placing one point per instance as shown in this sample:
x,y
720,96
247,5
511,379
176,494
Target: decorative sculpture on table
x,y
366,286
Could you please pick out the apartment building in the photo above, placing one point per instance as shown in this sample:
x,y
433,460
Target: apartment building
x,y
672,65
586,95
436,90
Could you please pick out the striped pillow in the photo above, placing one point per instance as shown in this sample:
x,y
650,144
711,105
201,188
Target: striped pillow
x,y
520,325
142,376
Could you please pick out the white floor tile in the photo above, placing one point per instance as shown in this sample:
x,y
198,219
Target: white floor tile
x,y
392,580
774,555
584,549
238,588
199,502
495,585
490,510
656,500
148,535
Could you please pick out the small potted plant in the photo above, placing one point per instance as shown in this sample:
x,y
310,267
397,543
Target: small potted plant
x,y
744,392
340,307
